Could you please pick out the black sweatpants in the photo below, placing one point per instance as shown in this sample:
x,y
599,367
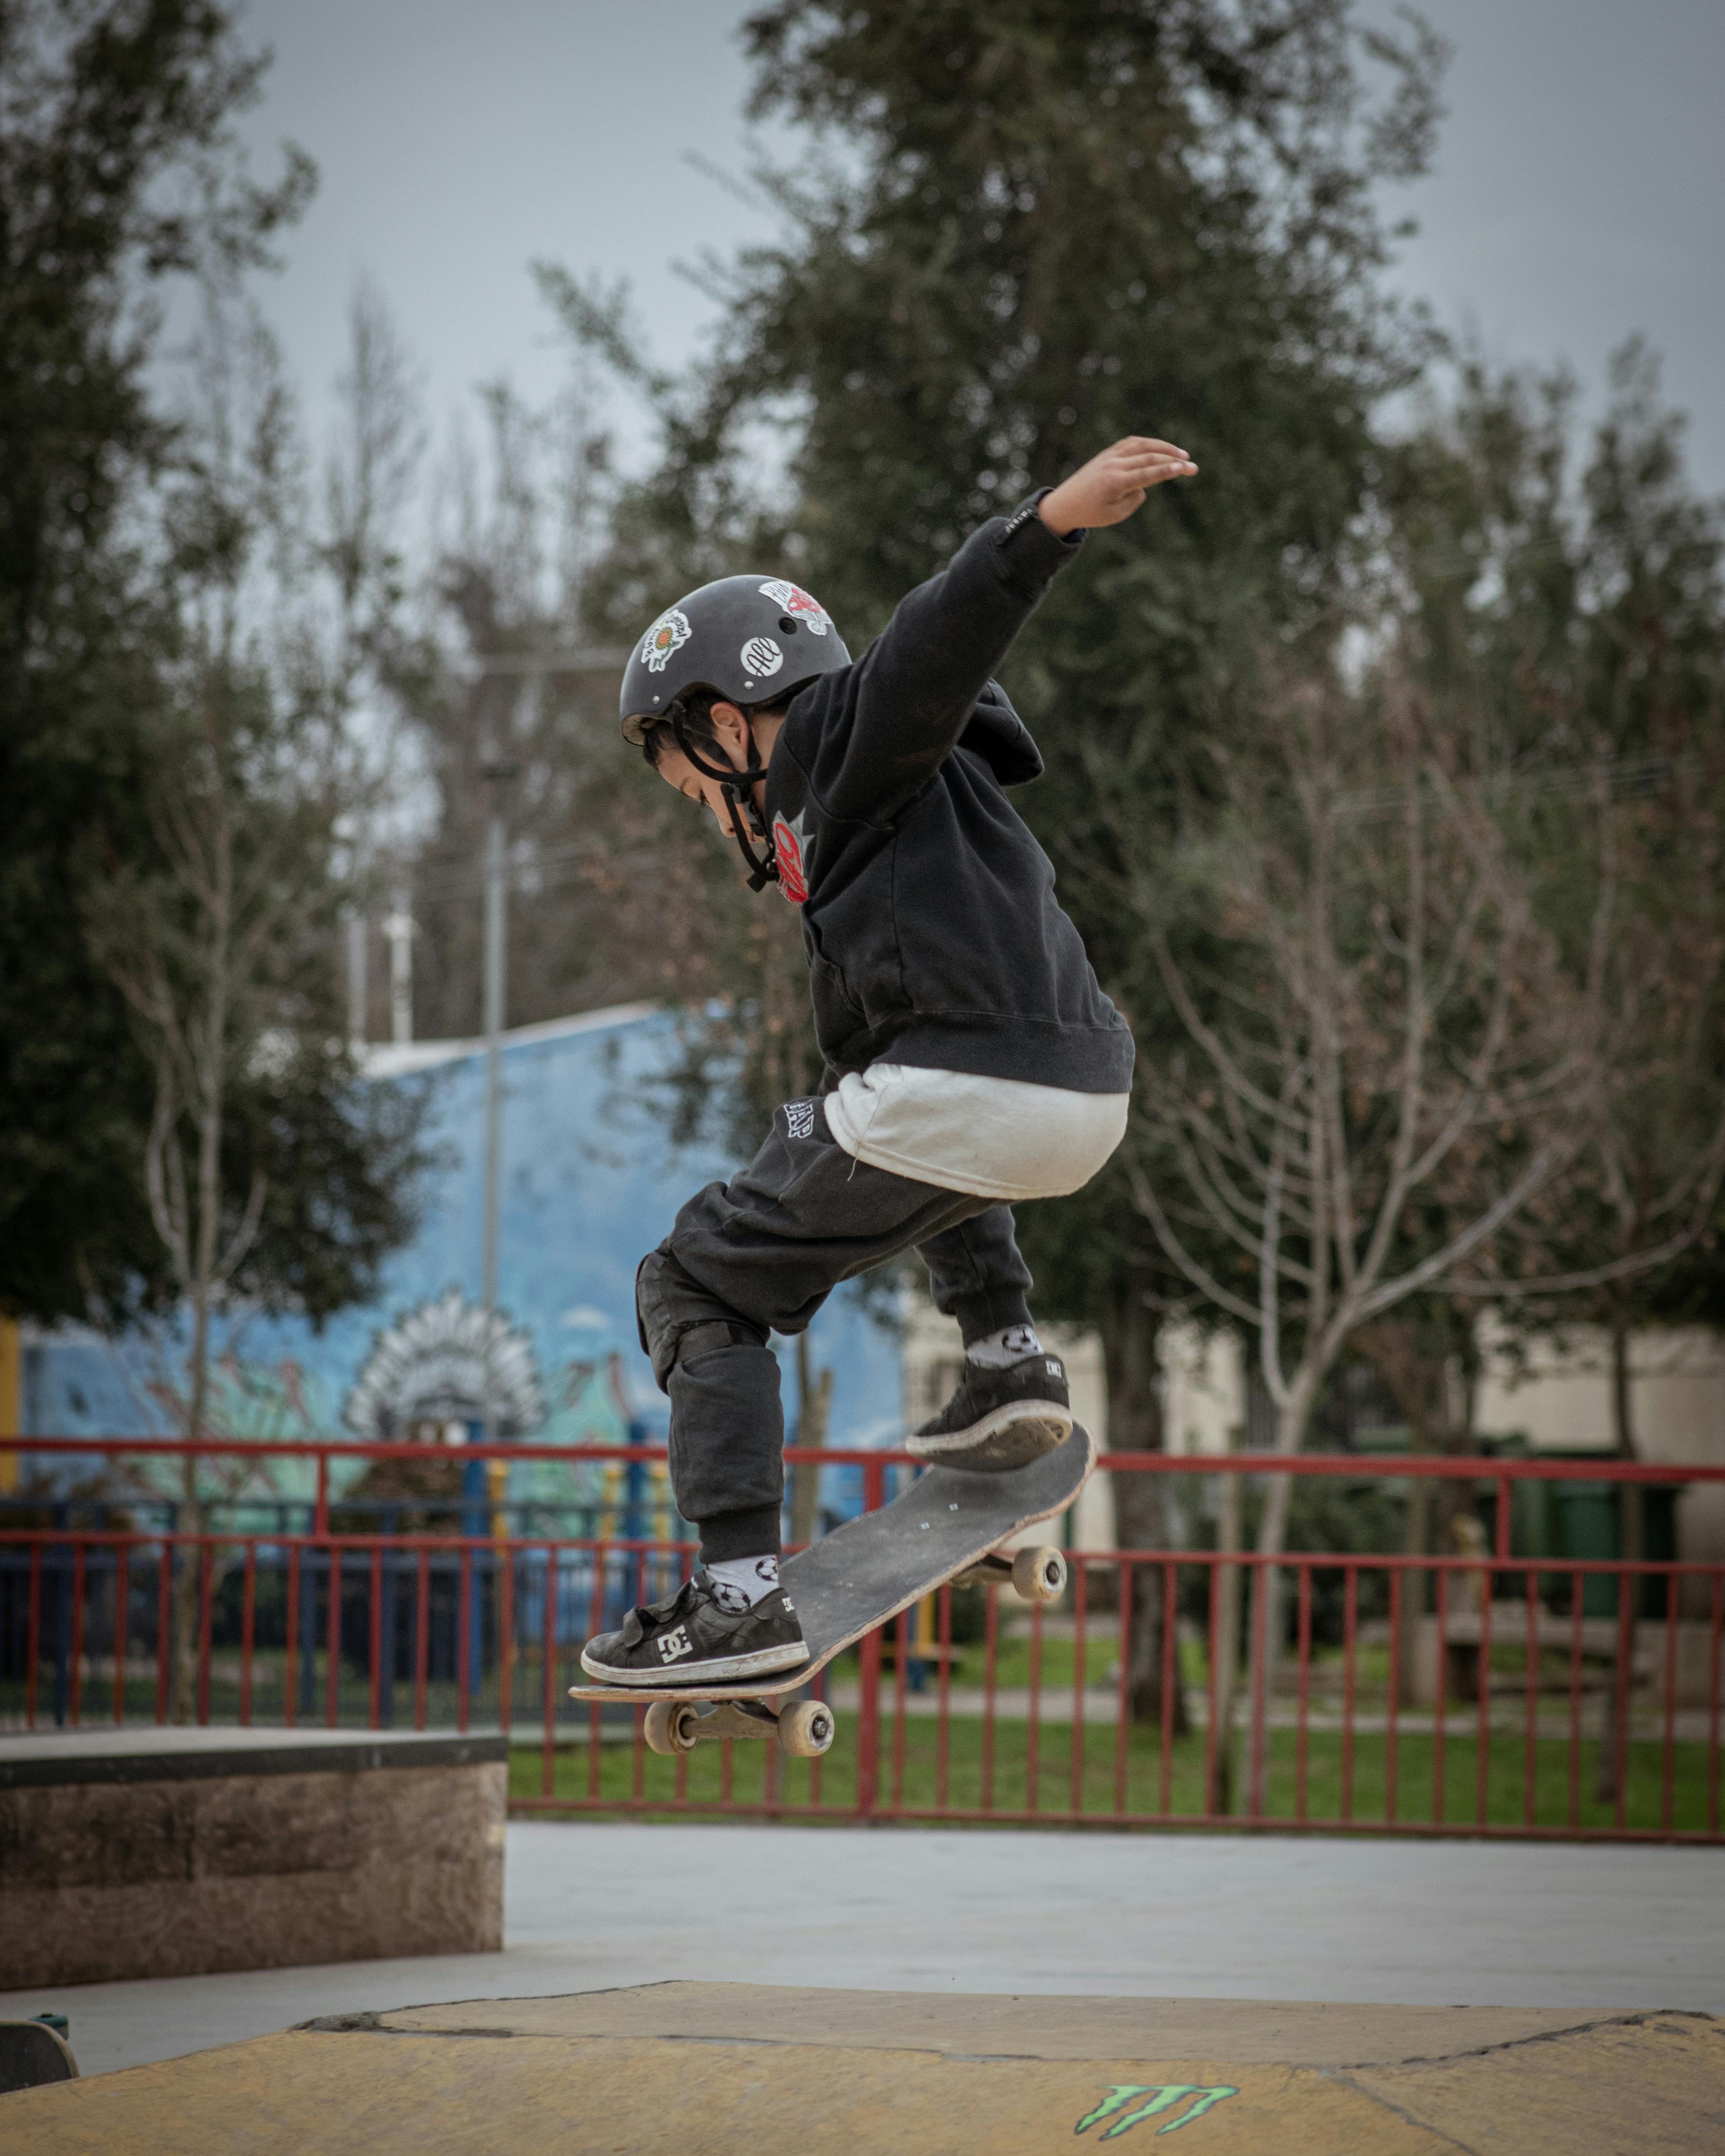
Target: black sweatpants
x,y
761,1254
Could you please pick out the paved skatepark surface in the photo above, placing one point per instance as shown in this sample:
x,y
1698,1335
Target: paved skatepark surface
x,y
756,2070
1146,1916
1593,1961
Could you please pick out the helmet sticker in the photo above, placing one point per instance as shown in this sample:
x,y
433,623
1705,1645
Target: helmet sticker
x,y
669,633
792,880
802,607
760,656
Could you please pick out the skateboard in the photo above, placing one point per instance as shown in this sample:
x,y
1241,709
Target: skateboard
x,y
32,2053
947,1527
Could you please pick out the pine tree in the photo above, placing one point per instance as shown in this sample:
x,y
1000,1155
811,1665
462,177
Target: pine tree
x,y
118,171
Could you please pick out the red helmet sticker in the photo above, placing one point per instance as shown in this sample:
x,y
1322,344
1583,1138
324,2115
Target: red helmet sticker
x,y
789,854
801,606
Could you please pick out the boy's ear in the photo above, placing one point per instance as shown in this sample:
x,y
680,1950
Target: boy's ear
x,y
731,729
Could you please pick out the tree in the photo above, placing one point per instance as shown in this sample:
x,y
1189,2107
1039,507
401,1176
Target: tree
x,y
272,1179
1592,612
1096,1267
1421,1060
497,674
1650,1182
118,170
1388,1065
1426,1352
1577,616
1408,1030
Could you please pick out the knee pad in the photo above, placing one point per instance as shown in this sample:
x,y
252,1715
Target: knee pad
x,y
658,1339
675,1317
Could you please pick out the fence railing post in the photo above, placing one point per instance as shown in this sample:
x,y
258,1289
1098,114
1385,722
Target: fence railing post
x,y
868,1705
308,1631
60,1559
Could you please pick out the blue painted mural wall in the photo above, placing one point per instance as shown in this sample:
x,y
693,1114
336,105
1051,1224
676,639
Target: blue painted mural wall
x,y
589,1187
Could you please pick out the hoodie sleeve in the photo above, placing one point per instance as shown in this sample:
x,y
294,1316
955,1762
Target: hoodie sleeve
x,y
915,690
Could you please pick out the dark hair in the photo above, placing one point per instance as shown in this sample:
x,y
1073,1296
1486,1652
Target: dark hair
x,y
698,723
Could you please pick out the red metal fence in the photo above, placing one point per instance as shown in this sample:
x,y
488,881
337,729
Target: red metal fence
x,y
1498,1691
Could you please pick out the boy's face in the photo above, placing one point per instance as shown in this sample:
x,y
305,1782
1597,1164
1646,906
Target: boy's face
x,y
674,768
730,733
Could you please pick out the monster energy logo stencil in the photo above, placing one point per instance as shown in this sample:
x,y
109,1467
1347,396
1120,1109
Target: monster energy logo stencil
x,y
1168,2097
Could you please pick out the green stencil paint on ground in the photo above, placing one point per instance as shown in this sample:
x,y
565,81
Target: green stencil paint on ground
x,y
1163,2097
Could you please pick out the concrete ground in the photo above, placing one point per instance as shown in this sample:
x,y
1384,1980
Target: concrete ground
x,y
764,2069
1146,1916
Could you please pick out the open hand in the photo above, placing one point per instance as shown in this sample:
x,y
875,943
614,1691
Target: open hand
x,y
1111,486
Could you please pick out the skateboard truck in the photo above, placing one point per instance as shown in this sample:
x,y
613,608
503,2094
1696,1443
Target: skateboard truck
x,y
1035,1575
803,1730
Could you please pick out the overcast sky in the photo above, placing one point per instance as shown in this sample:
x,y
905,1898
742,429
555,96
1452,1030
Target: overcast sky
x,y
1576,197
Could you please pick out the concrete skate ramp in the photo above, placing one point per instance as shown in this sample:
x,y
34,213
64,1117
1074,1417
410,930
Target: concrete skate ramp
x,y
746,2070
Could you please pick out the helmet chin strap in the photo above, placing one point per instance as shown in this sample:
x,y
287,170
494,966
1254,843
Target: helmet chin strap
x,y
738,788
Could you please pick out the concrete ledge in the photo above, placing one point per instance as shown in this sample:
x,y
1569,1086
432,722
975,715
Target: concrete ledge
x,y
156,1853
68,1756
741,2070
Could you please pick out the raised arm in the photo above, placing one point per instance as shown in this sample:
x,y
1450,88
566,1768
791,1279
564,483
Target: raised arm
x,y
911,694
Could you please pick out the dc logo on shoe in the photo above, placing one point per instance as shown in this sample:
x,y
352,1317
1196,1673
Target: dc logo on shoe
x,y
675,1644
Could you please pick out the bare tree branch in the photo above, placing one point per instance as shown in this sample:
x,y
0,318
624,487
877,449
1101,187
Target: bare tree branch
x,y
1145,1195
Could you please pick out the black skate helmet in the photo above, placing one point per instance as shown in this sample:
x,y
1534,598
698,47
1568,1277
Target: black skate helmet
x,y
748,639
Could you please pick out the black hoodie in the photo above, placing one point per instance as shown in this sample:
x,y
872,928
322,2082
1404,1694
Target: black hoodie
x,y
928,910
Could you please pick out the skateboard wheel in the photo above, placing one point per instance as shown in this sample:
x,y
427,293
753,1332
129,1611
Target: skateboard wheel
x,y
670,1727
1039,1575
806,1730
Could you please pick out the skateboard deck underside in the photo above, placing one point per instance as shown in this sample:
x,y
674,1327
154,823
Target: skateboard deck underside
x,y
868,1570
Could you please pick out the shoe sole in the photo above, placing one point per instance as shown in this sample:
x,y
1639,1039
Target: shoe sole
x,y
1009,1436
761,1664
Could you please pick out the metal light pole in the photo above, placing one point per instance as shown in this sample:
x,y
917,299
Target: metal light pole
x,y
358,989
496,776
399,928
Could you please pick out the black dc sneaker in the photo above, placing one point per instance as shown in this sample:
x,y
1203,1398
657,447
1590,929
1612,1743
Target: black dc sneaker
x,y
1000,1418
692,1639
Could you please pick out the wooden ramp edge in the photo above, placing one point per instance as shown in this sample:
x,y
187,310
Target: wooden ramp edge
x,y
673,2069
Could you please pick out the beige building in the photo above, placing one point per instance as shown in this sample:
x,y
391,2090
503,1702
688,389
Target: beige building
x,y
1557,1395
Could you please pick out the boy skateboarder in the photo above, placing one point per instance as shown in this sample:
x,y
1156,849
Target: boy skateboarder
x,y
972,1058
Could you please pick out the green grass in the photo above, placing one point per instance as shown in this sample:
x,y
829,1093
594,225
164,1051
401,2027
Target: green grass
x,y
1014,1659
628,1777
968,1782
